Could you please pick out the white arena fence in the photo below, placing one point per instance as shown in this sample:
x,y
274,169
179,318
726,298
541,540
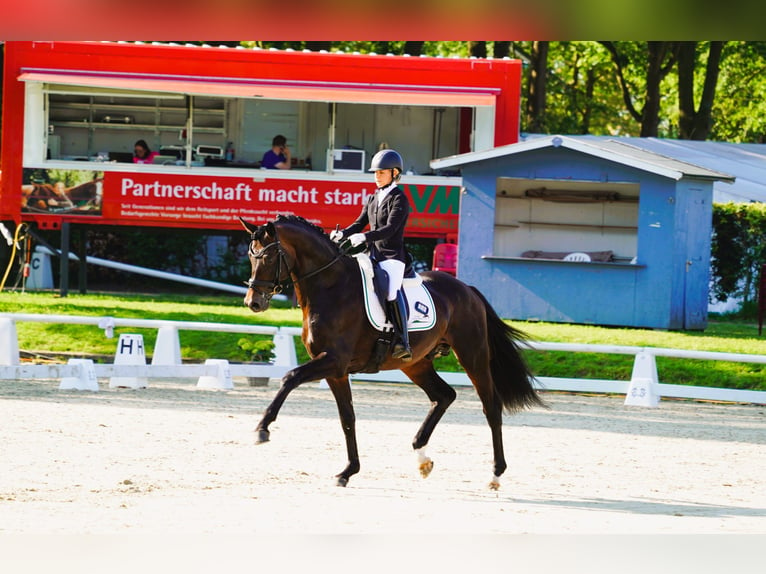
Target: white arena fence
x,y
166,360
643,389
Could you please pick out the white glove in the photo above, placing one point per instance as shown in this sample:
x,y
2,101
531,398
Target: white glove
x,y
357,239
336,235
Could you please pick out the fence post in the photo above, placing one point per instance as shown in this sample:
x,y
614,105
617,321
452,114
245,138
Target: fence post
x,y
9,342
167,348
222,378
130,351
41,276
284,350
642,390
84,380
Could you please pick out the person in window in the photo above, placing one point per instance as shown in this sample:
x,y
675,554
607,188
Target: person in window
x,y
278,157
386,213
142,153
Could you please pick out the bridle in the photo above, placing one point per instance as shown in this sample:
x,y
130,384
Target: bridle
x,y
277,285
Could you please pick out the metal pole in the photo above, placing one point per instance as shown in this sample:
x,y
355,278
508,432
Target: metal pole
x,y
154,273
83,268
64,279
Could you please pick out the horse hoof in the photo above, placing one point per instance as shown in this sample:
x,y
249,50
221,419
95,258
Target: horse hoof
x,y
494,484
263,436
426,467
342,481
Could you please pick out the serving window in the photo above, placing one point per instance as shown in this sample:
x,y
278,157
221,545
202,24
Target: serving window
x,y
81,123
551,219
81,126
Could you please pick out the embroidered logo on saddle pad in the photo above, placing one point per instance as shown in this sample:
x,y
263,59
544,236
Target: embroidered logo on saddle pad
x,y
422,315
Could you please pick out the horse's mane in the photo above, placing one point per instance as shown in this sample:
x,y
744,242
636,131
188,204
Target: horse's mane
x,y
313,228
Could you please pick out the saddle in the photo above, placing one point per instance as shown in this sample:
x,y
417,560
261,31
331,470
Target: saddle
x,y
420,305
421,314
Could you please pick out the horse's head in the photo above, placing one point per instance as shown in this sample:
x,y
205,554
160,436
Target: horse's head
x,y
288,250
268,266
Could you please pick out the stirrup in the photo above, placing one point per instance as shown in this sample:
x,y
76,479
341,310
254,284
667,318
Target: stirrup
x,y
401,352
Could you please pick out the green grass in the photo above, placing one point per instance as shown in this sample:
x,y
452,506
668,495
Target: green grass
x,y
721,335
195,345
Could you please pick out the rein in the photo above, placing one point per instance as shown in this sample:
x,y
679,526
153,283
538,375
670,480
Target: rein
x,y
278,284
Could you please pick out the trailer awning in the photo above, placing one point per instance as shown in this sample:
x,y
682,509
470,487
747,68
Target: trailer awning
x,y
316,91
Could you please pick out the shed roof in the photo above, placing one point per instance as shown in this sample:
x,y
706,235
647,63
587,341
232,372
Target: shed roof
x,y
744,164
611,149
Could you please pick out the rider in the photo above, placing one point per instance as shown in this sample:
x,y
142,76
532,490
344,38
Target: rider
x,y
386,212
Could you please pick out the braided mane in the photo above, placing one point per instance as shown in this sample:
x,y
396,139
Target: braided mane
x,y
315,229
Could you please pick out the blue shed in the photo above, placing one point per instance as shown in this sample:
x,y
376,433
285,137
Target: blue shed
x,y
597,232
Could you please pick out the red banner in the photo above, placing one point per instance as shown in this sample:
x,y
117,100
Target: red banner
x,y
204,200
217,202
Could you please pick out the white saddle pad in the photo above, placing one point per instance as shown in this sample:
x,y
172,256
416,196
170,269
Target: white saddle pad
x,y
422,312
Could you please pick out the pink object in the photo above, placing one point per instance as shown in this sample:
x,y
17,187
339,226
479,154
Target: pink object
x,y
445,258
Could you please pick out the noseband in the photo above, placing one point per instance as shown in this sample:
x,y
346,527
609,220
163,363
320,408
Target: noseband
x,y
276,286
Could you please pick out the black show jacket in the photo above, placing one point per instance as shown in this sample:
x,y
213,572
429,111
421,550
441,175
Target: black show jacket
x,y
386,221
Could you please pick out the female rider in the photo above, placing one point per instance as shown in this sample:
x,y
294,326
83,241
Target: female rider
x,y
386,212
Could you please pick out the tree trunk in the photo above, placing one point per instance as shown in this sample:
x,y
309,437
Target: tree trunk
x,y
477,49
536,87
502,49
590,85
413,48
696,124
618,61
650,114
229,43
318,46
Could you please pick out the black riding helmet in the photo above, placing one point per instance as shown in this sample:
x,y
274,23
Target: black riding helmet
x,y
387,159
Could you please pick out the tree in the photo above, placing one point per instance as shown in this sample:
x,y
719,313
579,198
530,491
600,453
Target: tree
x,y
477,49
537,83
319,46
501,49
621,88
658,61
578,83
413,48
738,250
696,124
738,113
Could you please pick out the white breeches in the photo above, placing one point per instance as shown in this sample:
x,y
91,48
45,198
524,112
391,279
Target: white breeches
x,y
395,270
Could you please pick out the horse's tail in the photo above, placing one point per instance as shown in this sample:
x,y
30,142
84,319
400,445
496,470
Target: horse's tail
x,y
511,376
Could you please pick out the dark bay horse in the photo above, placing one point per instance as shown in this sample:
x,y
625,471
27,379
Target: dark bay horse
x,y
340,340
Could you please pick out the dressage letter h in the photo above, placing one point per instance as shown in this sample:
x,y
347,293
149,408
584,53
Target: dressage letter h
x,y
128,343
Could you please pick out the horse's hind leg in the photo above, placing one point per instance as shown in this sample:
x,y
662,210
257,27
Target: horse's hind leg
x,y
475,361
341,390
493,411
441,395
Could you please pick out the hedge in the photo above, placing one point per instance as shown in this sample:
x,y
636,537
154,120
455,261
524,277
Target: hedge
x,y
738,250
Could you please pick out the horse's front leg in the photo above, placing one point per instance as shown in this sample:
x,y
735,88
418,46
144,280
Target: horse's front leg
x,y
341,390
320,367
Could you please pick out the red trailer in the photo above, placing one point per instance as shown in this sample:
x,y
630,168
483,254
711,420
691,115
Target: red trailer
x,y
72,112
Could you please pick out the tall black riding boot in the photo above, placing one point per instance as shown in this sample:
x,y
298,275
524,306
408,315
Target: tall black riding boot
x,y
398,317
